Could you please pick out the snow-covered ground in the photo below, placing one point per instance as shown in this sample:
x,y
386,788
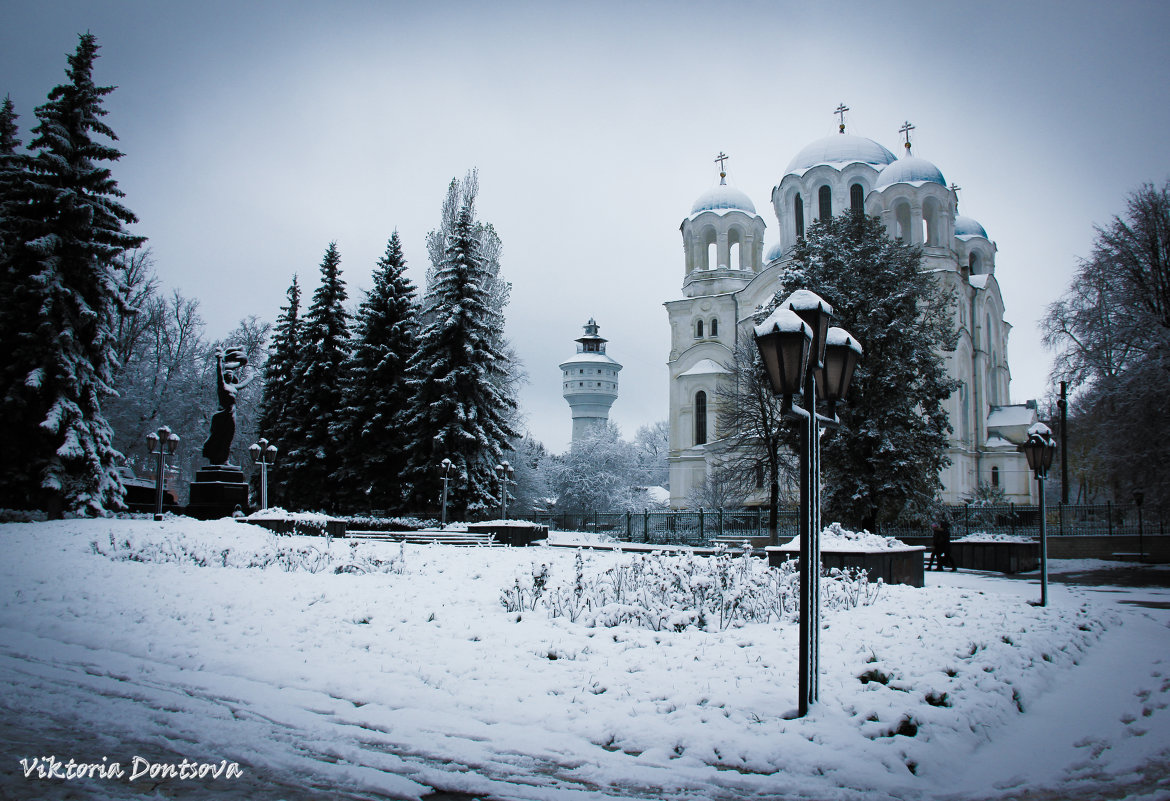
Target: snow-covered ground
x,y
384,670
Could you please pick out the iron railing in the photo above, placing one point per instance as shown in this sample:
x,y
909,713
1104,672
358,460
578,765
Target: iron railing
x,y
706,526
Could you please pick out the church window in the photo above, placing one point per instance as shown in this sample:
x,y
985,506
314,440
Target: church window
x,y
930,222
733,257
825,198
798,216
902,216
995,476
699,329
759,475
701,418
856,197
714,327
973,263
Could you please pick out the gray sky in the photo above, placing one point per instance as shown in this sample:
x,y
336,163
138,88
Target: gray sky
x,y
257,132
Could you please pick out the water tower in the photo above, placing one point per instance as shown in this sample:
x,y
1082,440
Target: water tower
x,y
590,382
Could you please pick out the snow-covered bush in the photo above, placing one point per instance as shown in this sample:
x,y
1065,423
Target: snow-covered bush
x,y
663,591
277,552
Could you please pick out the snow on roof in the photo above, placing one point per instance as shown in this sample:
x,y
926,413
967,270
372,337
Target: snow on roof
x,y
590,358
967,227
1017,414
980,281
723,198
839,149
996,441
910,170
705,367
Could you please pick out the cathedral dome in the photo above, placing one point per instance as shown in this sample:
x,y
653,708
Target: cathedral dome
x,y
774,252
967,226
723,197
909,170
840,149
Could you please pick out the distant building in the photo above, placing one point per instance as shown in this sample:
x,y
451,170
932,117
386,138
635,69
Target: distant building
x,y
727,274
590,381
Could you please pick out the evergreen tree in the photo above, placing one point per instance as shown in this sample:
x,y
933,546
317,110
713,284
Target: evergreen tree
x,y
371,429
65,290
280,373
457,409
887,456
312,457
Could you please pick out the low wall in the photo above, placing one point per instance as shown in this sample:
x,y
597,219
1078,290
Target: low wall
x,y
284,525
1002,557
519,534
893,566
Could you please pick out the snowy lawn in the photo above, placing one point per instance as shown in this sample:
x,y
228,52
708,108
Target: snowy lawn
x,y
392,669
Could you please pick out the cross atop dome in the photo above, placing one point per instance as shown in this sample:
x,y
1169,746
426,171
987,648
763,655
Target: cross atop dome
x,y
905,130
955,189
840,112
721,158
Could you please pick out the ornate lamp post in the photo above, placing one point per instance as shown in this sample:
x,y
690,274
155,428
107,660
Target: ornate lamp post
x,y
1039,450
445,466
264,455
1138,497
801,354
505,472
162,443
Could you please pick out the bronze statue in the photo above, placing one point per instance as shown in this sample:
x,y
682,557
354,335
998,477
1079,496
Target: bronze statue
x,y
228,367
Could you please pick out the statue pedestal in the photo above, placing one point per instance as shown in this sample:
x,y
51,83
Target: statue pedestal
x,y
217,491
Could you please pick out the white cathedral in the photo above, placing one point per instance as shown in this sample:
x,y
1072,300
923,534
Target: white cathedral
x,y
727,274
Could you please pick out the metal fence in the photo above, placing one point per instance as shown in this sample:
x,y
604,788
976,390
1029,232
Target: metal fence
x,y
706,526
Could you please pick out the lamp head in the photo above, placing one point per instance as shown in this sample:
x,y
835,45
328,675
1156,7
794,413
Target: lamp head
x,y
784,340
817,313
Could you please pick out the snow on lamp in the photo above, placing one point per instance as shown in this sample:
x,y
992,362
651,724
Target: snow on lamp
x,y
817,313
842,353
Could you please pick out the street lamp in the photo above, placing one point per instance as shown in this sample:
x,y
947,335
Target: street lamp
x,y
1138,497
161,443
264,455
445,466
505,472
801,353
1039,450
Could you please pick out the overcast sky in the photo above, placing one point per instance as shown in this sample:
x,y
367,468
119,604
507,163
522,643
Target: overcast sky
x,y
257,132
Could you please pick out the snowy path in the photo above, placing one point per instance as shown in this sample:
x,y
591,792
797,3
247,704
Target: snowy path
x,y
386,686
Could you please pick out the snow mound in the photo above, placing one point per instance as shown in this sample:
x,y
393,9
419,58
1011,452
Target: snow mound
x,y
837,538
986,536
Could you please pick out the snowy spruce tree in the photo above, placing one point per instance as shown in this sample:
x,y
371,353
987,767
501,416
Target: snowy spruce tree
x,y
280,374
886,458
312,458
370,431
460,408
63,289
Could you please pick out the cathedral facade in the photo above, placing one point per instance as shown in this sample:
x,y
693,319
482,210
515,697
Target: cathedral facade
x,y
728,272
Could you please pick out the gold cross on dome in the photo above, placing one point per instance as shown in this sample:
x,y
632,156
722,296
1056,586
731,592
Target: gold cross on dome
x,y
722,157
906,129
840,112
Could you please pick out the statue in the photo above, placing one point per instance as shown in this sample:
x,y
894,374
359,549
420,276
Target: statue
x,y
228,366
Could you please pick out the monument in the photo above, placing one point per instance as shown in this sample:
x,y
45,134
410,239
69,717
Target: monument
x,y
220,488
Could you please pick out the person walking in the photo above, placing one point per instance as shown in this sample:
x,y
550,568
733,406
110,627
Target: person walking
x,y
940,547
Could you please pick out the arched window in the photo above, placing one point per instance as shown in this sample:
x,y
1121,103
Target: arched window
x,y
798,215
825,200
699,329
856,197
700,418
714,327
902,215
973,263
995,476
930,223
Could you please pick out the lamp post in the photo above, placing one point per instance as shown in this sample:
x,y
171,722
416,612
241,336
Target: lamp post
x,y
1138,497
802,354
161,443
1039,450
445,466
264,455
505,472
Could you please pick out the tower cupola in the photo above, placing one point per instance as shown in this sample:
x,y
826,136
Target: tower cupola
x,y
589,381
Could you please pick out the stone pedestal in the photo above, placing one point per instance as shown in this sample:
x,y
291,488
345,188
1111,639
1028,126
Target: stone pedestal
x,y
217,491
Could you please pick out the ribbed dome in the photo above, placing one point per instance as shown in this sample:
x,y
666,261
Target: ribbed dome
x,y
722,197
967,226
840,149
909,169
